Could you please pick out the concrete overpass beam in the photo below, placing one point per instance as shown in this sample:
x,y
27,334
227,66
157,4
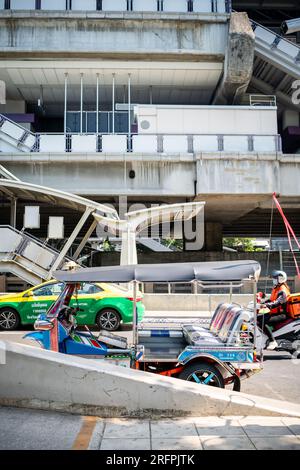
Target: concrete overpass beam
x,y
238,61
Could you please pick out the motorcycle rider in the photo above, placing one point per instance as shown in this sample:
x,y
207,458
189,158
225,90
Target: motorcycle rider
x,y
277,304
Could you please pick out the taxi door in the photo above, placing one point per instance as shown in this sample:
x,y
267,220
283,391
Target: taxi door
x,y
40,301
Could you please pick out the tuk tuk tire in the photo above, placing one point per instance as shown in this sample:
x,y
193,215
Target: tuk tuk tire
x,y
236,384
202,367
109,311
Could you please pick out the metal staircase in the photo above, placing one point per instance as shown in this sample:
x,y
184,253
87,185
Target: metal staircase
x,y
276,64
16,137
25,256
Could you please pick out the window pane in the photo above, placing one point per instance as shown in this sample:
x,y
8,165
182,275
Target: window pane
x,y
87,288
50,289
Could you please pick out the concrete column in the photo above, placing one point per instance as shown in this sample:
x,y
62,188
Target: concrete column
x,y
239,59
81,102
129,110
213,236
129,251
65,103
97,104
13,212
290,118
113,102
2,284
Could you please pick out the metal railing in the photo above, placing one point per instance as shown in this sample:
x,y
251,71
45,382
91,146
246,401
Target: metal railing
x,y
140,143
162,143
186,6
263,100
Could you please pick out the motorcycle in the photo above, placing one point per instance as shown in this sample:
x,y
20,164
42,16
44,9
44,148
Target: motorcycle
x,y
286,333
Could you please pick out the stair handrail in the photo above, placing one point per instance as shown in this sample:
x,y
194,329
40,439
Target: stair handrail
x,y
30,237
2,116
282,38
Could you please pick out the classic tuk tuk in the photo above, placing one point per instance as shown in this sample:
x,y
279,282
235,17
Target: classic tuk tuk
x,y
220,353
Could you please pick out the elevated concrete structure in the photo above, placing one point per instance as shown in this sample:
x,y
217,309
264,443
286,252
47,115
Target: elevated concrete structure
x,y
238,65
150,34
34,378
250,179
111,93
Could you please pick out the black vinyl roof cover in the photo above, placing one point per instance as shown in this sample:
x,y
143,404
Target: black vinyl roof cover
x,y
171,272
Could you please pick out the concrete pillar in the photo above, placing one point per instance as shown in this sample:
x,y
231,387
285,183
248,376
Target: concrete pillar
x,y
2,284
13,212
113,101
213,236
239,59
65,103
129,251
81,103
290,119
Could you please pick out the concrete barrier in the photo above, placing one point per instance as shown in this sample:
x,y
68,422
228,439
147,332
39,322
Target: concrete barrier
x,y
191,302
35,378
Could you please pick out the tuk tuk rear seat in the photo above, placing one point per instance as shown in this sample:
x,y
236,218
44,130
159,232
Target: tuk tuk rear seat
x,y
215,325
224,329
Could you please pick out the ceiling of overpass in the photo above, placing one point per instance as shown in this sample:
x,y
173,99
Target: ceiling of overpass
x,y
257,224
180,83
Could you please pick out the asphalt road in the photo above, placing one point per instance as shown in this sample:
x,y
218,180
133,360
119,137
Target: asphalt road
x,y
280,378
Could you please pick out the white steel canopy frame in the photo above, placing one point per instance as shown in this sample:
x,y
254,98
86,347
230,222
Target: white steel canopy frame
x,y
137,221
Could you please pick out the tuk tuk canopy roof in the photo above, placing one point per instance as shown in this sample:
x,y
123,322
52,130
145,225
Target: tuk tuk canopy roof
x,y
171,272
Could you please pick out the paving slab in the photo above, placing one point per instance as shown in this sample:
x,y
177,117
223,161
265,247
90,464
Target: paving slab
x,y
172,428
222,427
276,443
293,424
180,443
265,427
227,443
126,428
125,444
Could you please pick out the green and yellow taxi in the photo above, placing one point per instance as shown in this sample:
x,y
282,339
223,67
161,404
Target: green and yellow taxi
x,y
106,306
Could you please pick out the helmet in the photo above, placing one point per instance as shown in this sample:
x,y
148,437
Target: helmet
x,y
69,266
279,277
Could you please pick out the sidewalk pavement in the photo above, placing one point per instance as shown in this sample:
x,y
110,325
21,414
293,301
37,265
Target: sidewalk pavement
x,y
32,429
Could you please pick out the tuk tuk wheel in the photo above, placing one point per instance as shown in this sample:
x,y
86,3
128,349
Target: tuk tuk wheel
x,y
204,374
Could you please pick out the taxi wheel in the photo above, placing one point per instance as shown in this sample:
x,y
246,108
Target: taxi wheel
x,y
204,374
9,319
108,319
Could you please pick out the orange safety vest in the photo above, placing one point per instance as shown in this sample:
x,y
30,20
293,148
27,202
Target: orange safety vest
x,y
275,293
